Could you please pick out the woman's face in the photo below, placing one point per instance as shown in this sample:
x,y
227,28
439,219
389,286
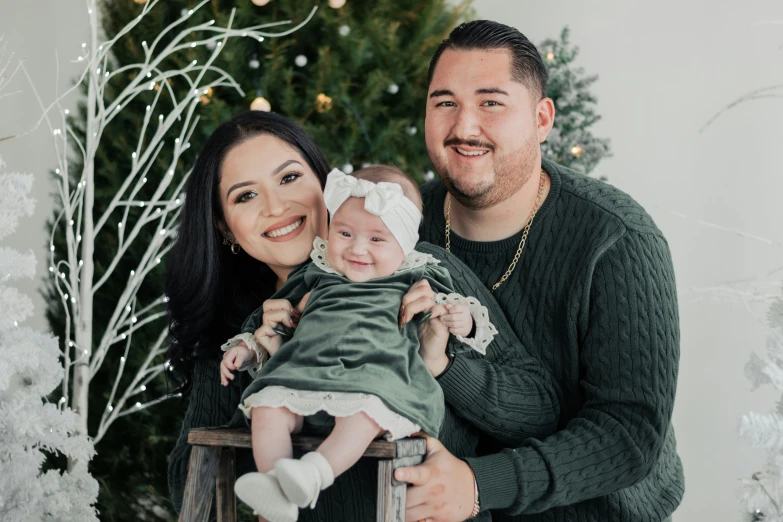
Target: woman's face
x,y
272,202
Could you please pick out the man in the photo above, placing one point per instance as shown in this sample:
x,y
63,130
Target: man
x,y
584,277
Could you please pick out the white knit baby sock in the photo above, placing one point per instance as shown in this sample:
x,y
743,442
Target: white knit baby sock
x,y
302,480
261,491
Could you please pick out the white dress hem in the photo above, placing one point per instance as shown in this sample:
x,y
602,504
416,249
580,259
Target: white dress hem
x,y
336,404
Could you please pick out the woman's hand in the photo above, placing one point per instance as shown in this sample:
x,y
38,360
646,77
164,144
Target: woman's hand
x,y
279,312
433,338
234,359
433,333
420,298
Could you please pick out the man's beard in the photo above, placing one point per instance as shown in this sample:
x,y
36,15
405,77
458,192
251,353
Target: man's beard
x,y
512,171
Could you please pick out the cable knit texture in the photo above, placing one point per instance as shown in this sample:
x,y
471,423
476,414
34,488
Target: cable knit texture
x,y
594,299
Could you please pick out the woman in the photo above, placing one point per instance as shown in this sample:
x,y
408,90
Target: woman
x,y
253,206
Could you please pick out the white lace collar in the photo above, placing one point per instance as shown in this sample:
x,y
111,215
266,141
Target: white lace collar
x,y
413,260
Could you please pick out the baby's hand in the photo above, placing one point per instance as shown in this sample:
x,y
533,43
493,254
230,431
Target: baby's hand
x,y
268,339
458,319
234,359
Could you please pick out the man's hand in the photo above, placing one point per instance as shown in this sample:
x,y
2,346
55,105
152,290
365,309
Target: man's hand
x,y
234,359
441,488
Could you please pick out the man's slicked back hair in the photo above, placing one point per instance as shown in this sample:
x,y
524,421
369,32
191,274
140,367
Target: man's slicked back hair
x,y
527,67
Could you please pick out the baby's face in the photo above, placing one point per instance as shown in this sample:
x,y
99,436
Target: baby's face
x,y
360,244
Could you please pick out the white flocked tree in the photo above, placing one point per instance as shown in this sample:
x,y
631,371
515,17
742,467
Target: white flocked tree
x,y
31,427
30,370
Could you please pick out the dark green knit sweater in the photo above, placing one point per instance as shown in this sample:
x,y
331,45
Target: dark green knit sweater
x,y
509,395
594,298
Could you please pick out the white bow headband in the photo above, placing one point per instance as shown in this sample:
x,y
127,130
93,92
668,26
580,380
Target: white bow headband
x,y
385,200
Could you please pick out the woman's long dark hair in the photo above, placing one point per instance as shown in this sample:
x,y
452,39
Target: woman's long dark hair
x,y
211,290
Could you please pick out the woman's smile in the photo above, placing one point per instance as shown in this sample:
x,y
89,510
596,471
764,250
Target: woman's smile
x,y
284,230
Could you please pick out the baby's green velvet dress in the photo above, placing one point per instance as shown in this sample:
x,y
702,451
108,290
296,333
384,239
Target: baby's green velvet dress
x,y
348,340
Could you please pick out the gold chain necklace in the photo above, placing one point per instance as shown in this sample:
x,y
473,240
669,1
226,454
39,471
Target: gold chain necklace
x,y
522,241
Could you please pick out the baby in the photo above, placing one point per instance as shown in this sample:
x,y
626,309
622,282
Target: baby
x,y
348,357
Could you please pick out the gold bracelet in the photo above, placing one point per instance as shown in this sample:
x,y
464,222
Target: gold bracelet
x,y
476,507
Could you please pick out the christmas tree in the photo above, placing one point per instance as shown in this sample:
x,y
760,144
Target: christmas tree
x,y
30,370
571,143
354,77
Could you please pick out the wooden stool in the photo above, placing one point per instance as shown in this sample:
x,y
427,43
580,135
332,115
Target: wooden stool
x,y
212,469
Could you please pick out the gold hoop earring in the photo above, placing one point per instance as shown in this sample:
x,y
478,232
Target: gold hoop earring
x,y
235,248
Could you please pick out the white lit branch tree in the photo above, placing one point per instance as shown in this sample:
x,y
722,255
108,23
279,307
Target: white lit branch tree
x,y
111,313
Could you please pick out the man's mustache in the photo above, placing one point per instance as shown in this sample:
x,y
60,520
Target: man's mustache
x,y
470,143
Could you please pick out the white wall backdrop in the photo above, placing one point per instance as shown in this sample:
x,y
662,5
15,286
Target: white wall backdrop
x,y
665,69
44,33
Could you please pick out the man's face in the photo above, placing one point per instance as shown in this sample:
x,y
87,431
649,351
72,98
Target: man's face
x,y
482,129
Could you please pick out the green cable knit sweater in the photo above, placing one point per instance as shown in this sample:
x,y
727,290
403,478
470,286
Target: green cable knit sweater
x,y
593,297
